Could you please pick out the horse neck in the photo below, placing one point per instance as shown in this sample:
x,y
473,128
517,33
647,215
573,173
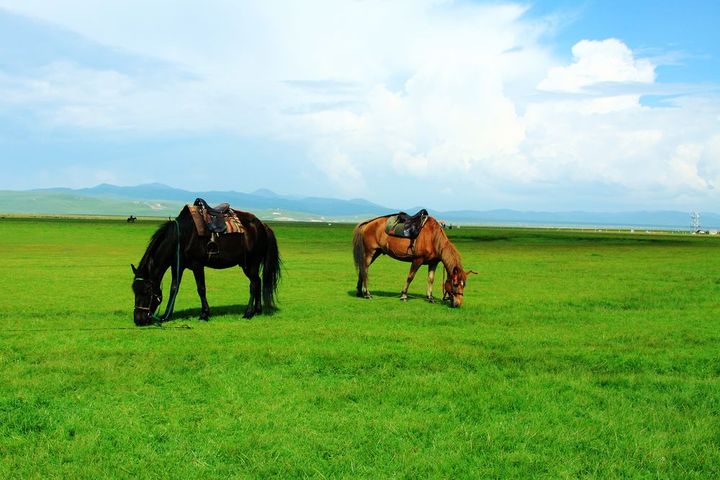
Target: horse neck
x,y
160,253
450,256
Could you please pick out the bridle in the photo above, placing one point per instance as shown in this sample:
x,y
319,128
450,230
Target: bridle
x,y
453,290
153,296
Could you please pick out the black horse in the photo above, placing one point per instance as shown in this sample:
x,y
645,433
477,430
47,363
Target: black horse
x,y
177,245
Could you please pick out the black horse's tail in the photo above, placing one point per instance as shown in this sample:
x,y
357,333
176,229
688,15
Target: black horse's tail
x,y
271,271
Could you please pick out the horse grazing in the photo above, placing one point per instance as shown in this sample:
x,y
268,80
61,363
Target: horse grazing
x,y
431,247
177,245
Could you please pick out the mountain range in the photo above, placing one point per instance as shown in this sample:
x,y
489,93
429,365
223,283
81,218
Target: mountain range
x,y
156,199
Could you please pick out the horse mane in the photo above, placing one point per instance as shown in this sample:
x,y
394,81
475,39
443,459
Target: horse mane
x,y
155,241
448,253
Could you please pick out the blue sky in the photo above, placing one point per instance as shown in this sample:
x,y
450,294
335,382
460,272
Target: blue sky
x,y
546,105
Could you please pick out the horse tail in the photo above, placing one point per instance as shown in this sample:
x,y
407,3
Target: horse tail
x,y
359,249
270,270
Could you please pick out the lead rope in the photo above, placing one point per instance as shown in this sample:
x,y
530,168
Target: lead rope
x,y
171,301
443,272
443,283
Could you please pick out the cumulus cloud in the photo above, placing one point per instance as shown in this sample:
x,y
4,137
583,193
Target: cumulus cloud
x,y
597,62
449,112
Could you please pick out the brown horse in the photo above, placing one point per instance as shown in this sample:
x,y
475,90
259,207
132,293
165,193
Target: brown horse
x,y
431,247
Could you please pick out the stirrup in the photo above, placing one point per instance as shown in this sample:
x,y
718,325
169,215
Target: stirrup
x,y
212,247
411,247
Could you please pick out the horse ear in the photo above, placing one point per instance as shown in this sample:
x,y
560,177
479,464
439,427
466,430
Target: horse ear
x,y
133,269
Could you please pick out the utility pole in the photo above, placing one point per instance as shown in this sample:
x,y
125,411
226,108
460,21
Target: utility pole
x,y
695,218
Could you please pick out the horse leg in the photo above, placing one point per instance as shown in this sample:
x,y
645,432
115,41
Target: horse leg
x,y
199,273
359,287
431,278
254,304
413,270
362,285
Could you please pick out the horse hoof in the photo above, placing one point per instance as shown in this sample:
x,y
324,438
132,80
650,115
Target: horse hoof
x,y
431,299
368,296
403,299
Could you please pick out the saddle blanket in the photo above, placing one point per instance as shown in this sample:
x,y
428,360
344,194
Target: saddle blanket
x,y
231,221
401,225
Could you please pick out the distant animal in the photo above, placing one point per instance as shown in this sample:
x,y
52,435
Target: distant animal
x,y
378,236
183,243
131,219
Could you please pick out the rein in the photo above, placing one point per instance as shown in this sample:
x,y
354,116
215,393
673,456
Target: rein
x,y
443,270
171,302
443,282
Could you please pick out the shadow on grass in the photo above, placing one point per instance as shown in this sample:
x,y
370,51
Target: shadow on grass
x,y
190,313
376,293
380,293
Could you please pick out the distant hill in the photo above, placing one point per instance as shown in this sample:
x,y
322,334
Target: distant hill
x,y
70,202
259,200
636,219
160,200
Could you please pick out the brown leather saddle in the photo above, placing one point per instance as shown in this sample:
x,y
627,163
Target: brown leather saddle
x,y
406,226
217,220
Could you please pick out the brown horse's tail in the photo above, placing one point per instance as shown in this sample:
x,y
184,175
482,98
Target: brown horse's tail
x,y
270,271
359,249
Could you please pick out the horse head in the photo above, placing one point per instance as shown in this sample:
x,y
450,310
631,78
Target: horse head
x,y
454,287
148,296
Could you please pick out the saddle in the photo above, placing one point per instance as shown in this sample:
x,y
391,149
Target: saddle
x,y
406,226
214,216
218,220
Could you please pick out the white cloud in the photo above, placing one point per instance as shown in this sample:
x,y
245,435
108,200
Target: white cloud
x,y
597,62
684,165
455,95
449,113
341,171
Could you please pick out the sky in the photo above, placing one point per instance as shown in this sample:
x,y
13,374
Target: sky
x,y
598,105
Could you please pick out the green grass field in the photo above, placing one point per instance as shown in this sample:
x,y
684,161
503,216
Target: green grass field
x,y
575,355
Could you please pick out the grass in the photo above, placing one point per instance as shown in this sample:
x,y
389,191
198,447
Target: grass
x,y
575,355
